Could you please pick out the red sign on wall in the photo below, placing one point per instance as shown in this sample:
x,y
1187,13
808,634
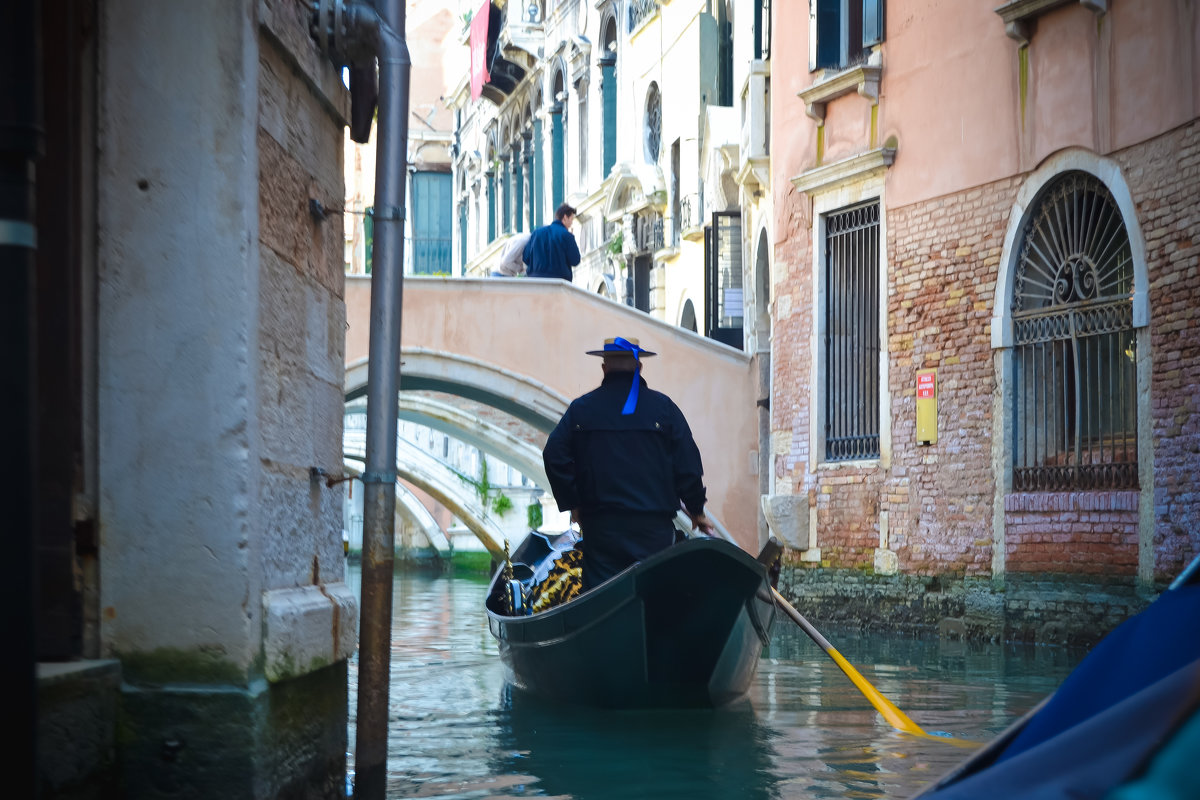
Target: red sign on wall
x,y
926,385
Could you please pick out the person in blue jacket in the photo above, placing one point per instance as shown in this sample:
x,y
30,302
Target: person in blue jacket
x,y
552,251
622,460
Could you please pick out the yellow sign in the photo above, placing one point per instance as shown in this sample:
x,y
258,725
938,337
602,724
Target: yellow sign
x,y
927,393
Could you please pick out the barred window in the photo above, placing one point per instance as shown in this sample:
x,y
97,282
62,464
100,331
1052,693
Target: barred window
x,y
1075,382
852,333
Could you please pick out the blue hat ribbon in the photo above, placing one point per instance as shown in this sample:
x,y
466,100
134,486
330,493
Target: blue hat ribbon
x,y
619,345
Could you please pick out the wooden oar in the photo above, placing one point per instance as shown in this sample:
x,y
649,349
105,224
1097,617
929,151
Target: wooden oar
x,y
894,716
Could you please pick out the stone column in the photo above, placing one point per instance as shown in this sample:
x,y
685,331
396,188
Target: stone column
x,y
220,366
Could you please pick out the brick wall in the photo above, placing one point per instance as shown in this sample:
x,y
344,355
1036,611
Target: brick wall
x,y
1164,178
943,257
943,260
1077,532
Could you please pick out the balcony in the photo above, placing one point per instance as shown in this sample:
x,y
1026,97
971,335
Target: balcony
x,y
691,217
863,79
755,170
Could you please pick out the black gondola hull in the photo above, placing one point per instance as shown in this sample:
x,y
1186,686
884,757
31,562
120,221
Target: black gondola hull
x,y
682,629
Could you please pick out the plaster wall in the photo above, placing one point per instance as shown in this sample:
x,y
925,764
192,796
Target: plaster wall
x,y
952,94
219,360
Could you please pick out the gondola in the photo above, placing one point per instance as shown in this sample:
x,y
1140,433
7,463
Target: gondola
x,y
681,629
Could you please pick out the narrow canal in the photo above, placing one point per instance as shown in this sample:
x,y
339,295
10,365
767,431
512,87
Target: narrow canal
x,y
803,731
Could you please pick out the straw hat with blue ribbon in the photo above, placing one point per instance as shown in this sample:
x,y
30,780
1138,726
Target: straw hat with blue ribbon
x,y
626,347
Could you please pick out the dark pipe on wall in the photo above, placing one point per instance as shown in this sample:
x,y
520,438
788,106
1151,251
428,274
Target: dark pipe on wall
x,y
20,147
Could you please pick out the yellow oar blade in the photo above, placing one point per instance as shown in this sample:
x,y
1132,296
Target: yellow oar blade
x,y
895,717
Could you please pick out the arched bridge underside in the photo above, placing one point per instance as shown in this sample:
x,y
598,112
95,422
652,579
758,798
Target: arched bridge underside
x,y
518,345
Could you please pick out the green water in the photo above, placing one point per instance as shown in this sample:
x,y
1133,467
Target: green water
x,y
803,731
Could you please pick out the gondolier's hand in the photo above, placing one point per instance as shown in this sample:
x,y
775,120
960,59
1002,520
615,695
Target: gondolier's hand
x,y
701,522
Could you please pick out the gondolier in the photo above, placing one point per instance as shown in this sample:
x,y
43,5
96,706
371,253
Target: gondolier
x,y
622,460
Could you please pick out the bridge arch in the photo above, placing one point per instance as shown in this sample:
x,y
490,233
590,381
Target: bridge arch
x,y
526,399
411,510
464,426
442,484
518,346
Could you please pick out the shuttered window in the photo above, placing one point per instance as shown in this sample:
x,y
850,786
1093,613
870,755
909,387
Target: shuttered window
x,y
843,31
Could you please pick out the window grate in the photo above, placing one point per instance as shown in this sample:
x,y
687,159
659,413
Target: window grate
x,y
1075,385
852,333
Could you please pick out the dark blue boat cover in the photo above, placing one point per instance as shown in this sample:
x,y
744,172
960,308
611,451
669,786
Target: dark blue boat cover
x,y
1130,697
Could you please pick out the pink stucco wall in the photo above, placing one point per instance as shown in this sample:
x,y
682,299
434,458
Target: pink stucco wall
x,y
951,96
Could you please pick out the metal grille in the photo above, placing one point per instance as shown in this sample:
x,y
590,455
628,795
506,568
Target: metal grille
x,y
1075,383
852,333
724,303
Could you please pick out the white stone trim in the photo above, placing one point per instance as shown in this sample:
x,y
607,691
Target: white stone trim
x,y
1107,172
867,187
863,79
863,166
1018,15
307,628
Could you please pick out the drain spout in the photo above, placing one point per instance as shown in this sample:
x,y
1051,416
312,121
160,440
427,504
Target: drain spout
x,y
351,33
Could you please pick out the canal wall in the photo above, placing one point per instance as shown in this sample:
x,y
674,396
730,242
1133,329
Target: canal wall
x,y
218,377
1046,608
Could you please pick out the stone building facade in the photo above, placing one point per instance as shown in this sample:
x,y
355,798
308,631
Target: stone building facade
x,y
1031,207
648,118
203,311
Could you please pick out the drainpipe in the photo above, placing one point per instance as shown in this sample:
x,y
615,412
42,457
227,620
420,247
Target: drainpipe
x,y
21,143
351,33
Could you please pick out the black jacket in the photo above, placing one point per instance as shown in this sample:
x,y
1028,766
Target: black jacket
x,y
600,461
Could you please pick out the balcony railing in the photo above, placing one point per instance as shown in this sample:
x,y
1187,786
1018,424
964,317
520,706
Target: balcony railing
x,y
640,11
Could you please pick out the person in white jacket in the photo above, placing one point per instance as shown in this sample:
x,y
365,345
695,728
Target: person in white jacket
x,y
511,264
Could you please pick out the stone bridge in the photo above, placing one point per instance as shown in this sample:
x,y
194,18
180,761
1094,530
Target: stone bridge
x,y
516,347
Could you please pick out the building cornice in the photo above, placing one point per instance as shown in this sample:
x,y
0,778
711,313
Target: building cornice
x,y
856,167
1019,15
863,79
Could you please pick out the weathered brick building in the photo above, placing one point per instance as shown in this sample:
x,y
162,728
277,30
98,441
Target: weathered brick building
x,y
1012,221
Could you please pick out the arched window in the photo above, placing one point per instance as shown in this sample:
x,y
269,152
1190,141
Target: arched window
x,y
653,126
1075,373
687,320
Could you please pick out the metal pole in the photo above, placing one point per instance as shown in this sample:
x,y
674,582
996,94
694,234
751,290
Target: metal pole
x,y
383,377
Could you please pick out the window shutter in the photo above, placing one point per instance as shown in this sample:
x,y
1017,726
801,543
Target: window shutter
x,y
872,22
829,33
812,35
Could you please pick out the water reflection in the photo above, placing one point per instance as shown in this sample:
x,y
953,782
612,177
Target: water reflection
x,y
591,754
803,731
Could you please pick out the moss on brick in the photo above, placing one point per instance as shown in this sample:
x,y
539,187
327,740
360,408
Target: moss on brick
x,y
172,665
472,562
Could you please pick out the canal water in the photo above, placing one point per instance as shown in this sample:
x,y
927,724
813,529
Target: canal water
x,y
803,731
